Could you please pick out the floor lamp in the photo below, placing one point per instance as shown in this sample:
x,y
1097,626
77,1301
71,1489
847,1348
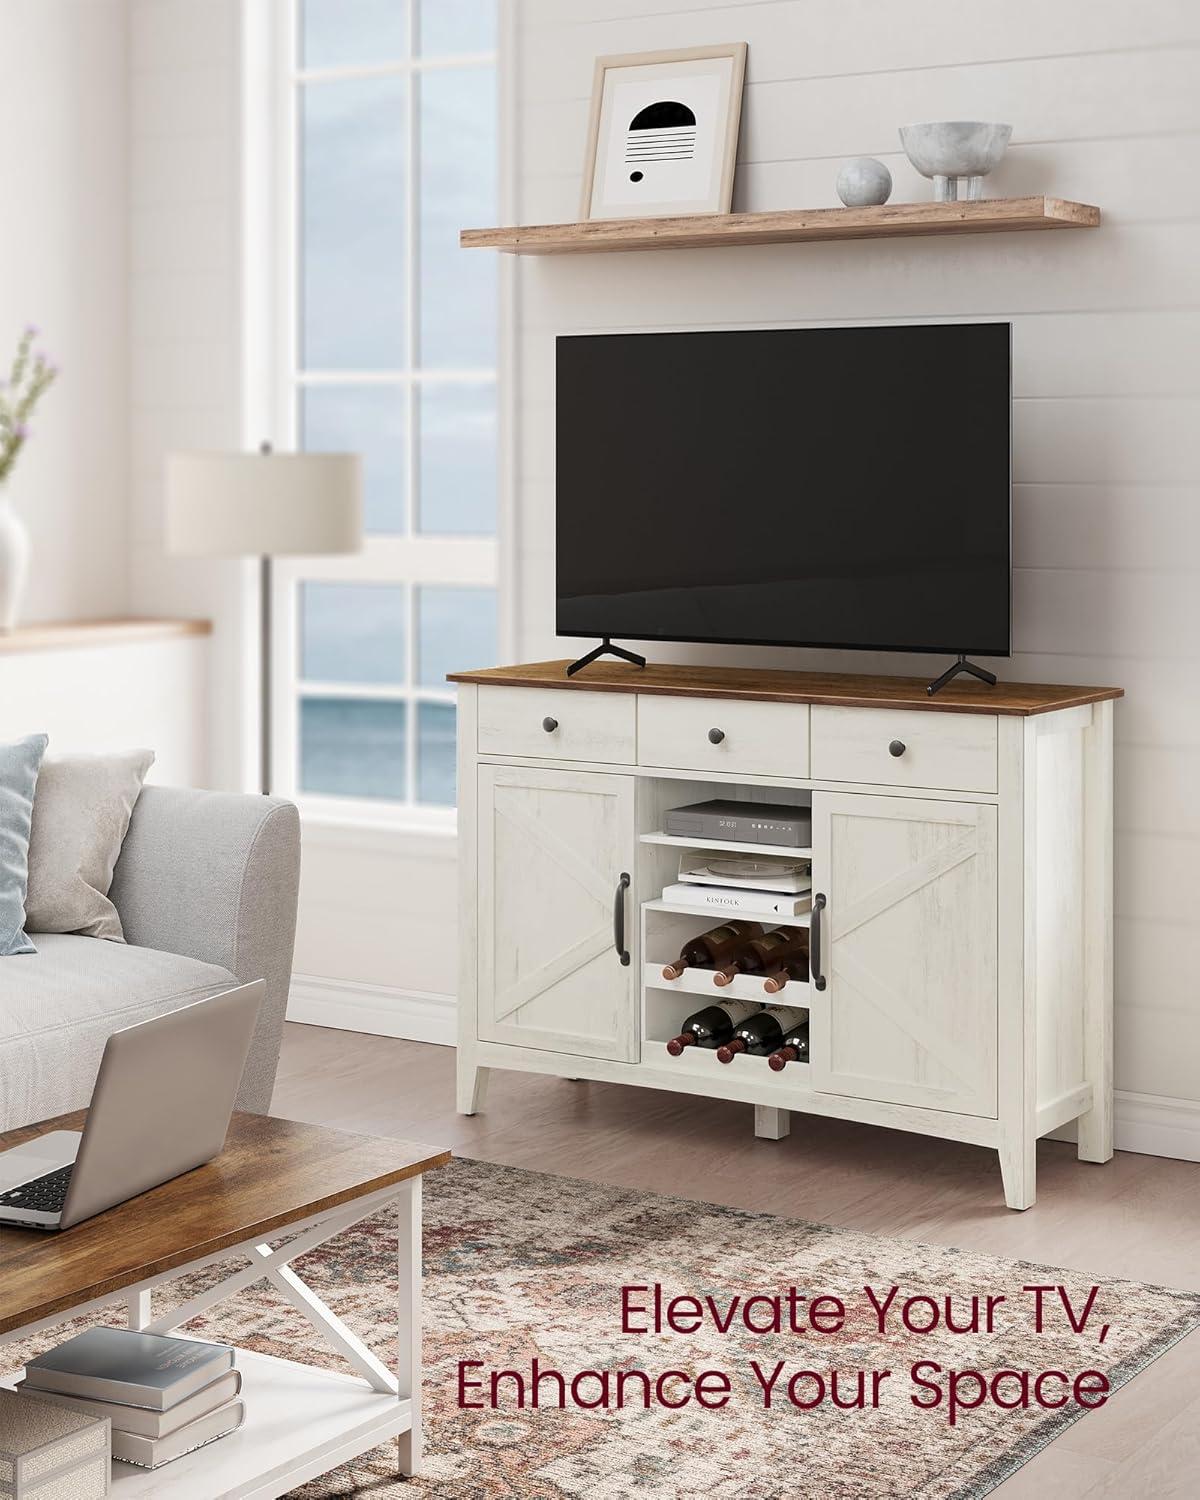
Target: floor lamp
x,y
263,505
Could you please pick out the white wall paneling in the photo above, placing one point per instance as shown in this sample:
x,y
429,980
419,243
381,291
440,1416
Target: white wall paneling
x,y
377,936
1106,373
63,76
112,696
185,320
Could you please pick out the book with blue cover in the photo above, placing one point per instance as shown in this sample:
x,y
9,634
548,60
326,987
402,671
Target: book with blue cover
x,y
130,1368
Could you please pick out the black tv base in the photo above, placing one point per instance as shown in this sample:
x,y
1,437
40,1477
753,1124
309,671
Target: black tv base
x,y
966,668
606,648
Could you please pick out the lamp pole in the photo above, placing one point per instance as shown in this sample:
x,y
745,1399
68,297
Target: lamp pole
x,y
264,660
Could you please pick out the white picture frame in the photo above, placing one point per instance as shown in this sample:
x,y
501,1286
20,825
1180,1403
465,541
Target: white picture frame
x,y
662,139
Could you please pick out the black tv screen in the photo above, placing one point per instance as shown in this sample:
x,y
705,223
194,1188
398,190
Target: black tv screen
x,y
837,487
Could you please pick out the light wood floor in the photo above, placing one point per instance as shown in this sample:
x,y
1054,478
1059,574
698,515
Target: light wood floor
x,y
1138,1217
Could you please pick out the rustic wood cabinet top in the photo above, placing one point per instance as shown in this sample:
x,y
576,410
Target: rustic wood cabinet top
x,y
842,689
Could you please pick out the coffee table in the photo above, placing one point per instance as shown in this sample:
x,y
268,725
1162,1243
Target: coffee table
x,y
273,1177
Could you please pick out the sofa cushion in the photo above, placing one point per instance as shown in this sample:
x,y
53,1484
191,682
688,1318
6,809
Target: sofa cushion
x,y
58,1007
19,765
80,817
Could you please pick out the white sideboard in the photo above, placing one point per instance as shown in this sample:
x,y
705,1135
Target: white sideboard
x,y
962,846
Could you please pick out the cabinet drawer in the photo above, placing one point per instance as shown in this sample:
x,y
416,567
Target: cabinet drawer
x,y
557,725
719,734
889,747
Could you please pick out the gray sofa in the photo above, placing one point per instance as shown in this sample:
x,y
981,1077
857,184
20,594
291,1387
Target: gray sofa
x,y
206,888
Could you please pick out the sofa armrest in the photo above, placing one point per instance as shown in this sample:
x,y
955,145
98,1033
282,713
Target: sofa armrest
x,y
215,877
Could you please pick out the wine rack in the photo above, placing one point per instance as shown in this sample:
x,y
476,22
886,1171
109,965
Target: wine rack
x,y
733,1080
742,987
667,1002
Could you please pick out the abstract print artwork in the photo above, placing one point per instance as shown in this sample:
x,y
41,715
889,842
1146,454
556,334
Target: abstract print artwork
x,y
663,134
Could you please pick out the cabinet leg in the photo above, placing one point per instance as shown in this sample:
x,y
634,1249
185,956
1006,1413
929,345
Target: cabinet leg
x,y
771,1124
1096,1130
1096,1127
1018,1169
472,1087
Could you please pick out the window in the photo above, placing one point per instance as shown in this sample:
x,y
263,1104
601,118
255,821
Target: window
x,y
387,346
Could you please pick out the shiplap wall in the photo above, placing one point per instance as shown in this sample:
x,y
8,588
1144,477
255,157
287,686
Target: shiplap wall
x,y
1105,106
185,328
62,266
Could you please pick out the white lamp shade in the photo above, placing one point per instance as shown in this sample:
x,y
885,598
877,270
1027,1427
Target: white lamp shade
x,y
263,504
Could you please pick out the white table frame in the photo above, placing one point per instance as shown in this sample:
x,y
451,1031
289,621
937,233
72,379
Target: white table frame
x,y
230,1462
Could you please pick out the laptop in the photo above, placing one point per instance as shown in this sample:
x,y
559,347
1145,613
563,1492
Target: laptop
x,y
161,1105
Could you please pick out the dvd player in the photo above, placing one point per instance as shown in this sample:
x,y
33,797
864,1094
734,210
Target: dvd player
x,y
747,822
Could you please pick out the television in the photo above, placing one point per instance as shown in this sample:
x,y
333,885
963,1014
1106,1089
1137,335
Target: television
x,y
826,487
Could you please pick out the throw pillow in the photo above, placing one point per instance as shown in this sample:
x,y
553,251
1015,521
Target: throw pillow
x,y
19,766
80,818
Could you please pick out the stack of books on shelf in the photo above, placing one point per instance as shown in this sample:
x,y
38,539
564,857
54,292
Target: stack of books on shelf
x,y
163,1396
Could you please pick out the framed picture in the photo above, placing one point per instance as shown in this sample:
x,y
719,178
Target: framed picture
x,y
663,133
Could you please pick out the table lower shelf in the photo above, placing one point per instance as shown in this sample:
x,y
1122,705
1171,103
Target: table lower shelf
x,y
300,1422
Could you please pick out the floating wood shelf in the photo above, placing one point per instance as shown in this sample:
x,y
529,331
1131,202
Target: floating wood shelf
x,y
787,226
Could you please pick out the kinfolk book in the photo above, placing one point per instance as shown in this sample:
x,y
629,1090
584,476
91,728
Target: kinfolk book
x,y
132,1369
728,898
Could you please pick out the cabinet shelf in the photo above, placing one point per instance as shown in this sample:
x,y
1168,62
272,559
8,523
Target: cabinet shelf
x,y
732,846
743,987
787,226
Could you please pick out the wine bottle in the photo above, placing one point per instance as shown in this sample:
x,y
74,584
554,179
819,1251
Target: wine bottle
x,y
761,1033
711,1026
764,954
712,947
795,1046
795,968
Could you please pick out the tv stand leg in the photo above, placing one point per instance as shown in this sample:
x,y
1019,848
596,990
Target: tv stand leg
x,y
606,648
771,1124
961,666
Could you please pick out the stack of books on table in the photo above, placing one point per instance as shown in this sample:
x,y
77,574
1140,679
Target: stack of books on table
x,y
164,1396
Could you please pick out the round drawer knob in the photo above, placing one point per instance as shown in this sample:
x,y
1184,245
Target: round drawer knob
x,y
715,736
549,725
897,748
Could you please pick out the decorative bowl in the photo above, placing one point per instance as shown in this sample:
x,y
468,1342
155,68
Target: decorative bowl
x,y
957,154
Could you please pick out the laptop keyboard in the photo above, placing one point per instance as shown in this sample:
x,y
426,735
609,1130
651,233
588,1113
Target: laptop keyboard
x,y
44,1194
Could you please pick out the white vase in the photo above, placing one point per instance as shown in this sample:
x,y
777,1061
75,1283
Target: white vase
x,y
14,563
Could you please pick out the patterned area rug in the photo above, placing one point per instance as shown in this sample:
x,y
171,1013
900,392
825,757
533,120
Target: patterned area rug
x,y
521,1265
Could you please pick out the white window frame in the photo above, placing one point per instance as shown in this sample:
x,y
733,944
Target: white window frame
x,y
272,361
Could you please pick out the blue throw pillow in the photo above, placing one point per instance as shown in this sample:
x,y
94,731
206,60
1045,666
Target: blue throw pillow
x,y
19,766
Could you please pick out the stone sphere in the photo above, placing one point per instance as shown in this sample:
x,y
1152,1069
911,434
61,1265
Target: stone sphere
x,y
864,180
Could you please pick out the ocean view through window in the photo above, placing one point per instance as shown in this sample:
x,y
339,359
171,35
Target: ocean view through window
x,y
389,349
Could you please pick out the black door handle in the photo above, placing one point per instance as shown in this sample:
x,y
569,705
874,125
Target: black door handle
x,y
814,943
897,747
715,736
549,724
619,918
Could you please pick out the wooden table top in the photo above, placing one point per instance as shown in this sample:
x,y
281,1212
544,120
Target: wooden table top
x,y
839,689
272,1173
